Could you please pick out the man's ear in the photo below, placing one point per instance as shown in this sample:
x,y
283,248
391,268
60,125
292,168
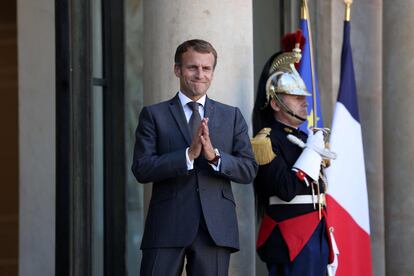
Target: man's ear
x,y
177,70
274,105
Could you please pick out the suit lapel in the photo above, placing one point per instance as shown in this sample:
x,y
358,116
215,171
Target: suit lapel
x,y
209,110
179,116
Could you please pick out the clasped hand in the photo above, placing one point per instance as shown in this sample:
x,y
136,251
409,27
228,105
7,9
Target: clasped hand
x,y
201,143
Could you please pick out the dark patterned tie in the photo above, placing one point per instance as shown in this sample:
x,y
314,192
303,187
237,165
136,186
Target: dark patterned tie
x,y
195,118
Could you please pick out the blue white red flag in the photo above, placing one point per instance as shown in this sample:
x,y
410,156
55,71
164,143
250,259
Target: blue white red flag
x,y
347,191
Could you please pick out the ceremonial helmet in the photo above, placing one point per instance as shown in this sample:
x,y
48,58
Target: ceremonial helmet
x,y
279,77
283,77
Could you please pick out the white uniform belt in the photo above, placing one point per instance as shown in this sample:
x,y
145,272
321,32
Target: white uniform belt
x,y
299,199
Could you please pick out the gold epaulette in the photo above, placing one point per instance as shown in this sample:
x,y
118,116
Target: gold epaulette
x,y
262,147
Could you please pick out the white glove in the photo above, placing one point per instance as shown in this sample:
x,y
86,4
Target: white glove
x,y
310,160
315,140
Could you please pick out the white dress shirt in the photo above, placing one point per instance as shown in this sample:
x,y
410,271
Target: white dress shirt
x,y
188,112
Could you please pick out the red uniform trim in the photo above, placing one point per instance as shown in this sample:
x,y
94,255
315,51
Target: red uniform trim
x,y
266,228
296,232
301,175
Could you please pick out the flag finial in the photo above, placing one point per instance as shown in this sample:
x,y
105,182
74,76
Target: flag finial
x,y
348,4
303,10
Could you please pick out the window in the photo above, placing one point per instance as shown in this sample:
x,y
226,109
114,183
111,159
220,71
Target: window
x,y
91,167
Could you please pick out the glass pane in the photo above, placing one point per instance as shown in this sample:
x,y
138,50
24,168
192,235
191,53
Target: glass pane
x,y
97,145
97,185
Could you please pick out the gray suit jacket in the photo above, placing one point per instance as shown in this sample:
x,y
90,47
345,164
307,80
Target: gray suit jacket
x,y
180,197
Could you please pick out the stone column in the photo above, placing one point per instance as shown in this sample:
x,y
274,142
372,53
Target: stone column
x,y
398,135
228,26
366,42
37,135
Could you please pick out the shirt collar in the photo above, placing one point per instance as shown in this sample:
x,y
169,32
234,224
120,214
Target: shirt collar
x,y
185,100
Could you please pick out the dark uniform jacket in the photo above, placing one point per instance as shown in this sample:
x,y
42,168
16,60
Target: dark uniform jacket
x,y
278,179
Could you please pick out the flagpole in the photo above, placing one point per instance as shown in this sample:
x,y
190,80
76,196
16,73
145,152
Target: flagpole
x,y
305,15
348,4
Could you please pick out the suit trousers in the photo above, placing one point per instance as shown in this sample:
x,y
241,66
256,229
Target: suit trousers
x,y
204,258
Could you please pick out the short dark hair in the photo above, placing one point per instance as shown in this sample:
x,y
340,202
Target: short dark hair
x,y
198,45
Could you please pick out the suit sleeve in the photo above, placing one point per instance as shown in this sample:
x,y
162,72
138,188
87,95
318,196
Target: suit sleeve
x,y
148,165
277,178
239,166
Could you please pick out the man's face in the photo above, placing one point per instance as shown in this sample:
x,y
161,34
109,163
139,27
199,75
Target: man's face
x,y
297,104
195,73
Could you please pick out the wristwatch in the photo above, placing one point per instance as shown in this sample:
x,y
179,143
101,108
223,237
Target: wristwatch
x,y
216,158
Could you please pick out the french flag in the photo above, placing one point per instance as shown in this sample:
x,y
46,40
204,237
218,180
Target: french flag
x,y
347,198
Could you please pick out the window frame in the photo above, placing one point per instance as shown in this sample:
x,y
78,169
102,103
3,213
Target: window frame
x,y
74,82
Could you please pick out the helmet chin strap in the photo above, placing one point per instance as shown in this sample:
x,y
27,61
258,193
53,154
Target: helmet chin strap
x,y
288,110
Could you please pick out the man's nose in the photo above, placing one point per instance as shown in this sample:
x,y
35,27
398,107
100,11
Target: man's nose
x,y
199,72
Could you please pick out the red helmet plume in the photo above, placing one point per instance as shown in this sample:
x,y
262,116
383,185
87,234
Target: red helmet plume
x,y
290,39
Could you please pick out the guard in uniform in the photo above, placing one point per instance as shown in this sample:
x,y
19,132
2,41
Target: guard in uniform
x,y
293,237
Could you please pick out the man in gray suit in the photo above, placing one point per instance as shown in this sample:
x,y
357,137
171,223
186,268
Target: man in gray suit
x,y
191,147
